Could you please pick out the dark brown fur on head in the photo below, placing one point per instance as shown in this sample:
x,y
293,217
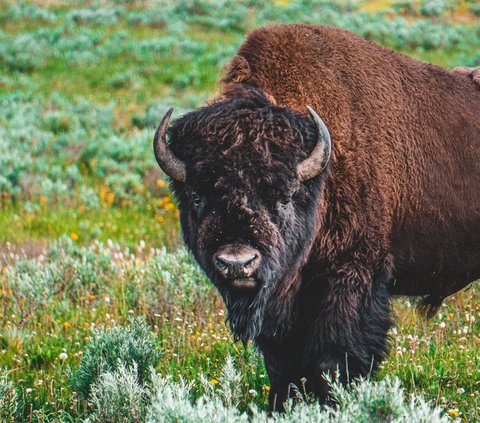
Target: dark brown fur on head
x,y
241,154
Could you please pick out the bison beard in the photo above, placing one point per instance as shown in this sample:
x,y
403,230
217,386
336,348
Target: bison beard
x,y
246,312
394,212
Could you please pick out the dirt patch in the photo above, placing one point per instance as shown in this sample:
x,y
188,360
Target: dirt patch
x,y
30,249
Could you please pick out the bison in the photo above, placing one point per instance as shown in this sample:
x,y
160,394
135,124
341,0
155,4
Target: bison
x,y
308,225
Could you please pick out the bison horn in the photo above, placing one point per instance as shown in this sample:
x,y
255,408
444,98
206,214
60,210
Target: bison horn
x,y
321,153
167,161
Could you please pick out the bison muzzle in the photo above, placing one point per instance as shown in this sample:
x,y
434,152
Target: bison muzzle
x,y
328,175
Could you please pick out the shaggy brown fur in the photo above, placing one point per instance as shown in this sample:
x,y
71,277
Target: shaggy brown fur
x,y
407,131
397,212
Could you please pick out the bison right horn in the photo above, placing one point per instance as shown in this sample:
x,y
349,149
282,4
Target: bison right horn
x,y
321,153
167,161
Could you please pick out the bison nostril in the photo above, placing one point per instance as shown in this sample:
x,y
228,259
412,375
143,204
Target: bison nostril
x,y
235,262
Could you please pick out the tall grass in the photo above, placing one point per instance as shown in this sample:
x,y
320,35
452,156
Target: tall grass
x,y
65,322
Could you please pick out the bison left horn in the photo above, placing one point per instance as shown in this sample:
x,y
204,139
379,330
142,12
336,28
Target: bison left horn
x,y
167,161
321,153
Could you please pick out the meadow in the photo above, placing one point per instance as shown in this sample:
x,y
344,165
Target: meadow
x,y
104,315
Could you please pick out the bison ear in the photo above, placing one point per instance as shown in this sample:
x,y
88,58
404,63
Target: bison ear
x,y
238,70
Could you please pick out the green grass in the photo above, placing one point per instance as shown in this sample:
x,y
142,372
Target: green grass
x,y
160,77
49,306
126,225
439,357
97,287
155,80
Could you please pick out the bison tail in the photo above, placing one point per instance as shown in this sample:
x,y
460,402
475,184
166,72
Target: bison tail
x,y
428,306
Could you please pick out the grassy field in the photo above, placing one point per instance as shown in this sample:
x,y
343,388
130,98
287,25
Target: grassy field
x,y
89,235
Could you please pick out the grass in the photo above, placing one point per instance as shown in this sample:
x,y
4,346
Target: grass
x,y
156,79
153,79
103,271
103,285
440,356
127,225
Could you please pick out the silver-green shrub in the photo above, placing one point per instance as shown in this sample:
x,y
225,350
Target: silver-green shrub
x,y
118,397
64,271
364,402
131,346
434,7
382,401
22,10
8,399
96,15
171,402
228,389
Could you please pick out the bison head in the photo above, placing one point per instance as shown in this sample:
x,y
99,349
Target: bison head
x,y
247,176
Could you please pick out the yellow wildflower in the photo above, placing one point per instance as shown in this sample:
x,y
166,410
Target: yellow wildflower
x,y
214,381
453,413
74,236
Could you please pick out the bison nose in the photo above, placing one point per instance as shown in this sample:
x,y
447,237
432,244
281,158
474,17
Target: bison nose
x,y
236,261
229,261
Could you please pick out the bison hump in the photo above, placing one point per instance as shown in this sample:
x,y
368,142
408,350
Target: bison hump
x,y
238,70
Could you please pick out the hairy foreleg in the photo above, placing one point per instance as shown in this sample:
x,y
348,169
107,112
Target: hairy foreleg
x,y
350,331
285,374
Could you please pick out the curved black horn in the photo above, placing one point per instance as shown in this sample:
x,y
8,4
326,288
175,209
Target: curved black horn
x,y
167,161
321,153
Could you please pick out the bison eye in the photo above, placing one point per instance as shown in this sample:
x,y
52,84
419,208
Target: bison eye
x,y
196,199
283,204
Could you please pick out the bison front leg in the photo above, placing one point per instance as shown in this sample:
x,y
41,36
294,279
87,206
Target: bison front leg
x,y
349,331
285,374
